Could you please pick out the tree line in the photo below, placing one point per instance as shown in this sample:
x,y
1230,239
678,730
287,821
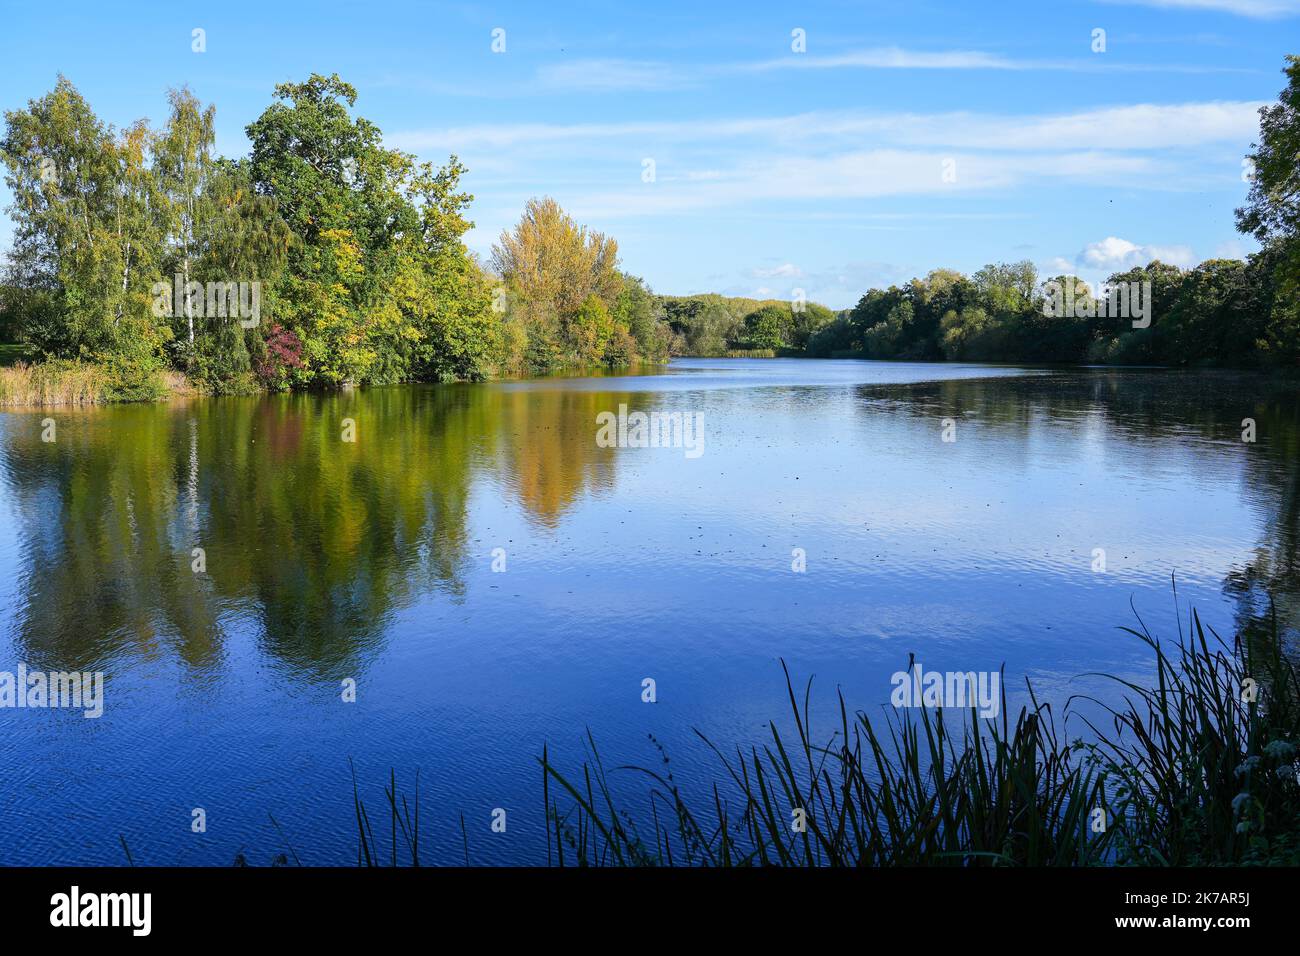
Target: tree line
x,y
141,251
321,259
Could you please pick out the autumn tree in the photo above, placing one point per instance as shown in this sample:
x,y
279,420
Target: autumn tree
x,y
549,259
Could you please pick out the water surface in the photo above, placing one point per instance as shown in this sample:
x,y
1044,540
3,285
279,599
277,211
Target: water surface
x,y
372,561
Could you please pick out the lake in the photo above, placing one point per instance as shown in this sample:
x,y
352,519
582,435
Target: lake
x,y
490,579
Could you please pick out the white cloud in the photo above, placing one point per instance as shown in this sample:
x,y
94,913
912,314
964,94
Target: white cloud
x,y
1138,126
863,174
1256,9
834,155
1231,249
894,58
787,270
891,58
1113,254
606,76
615,75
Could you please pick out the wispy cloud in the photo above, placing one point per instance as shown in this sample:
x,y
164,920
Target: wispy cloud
x,y
833,156
1133,127
891,58
1256,9
863,175
786,270
620,76
612,76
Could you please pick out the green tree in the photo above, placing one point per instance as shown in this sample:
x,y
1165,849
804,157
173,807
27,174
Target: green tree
x,y
770,327
363,218
807,321
87,241
217,230
838,336
590,328
183,164
1206,321
637,310
1272,210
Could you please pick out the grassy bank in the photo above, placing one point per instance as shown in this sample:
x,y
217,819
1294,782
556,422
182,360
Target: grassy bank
x,y
60,383
1196,768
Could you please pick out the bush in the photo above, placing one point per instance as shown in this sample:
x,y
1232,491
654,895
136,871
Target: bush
x,y
281,356
132,380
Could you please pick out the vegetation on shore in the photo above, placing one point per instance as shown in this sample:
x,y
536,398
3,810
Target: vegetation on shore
x,y
321,260
324,259
1192,770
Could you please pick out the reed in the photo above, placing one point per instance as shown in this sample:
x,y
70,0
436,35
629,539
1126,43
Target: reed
x,y
1203,764
53,383
1199,768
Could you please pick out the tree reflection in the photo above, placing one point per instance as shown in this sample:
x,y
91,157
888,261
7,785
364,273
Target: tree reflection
x,y
318,539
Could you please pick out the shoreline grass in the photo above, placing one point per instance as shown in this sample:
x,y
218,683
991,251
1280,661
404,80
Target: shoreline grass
x,y
1199,769
59,383
53,383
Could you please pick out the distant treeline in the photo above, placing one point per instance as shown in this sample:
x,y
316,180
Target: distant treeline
x,y
1224,312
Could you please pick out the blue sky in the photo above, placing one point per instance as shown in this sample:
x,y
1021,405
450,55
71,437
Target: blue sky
x,y
773,170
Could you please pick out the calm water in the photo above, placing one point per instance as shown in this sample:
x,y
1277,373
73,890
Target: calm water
x,y
372,560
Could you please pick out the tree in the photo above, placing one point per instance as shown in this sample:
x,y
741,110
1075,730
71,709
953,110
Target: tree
x,y
1272,210
373,277
807,321
329,175
87,241
217,230
639,312
550,260
770,327
1205,323
829,339
1007,288
590,328
1117,341
183,164
883,321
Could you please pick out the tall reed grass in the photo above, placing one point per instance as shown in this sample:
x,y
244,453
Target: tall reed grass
x,y
53,383
64,382
1197,769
